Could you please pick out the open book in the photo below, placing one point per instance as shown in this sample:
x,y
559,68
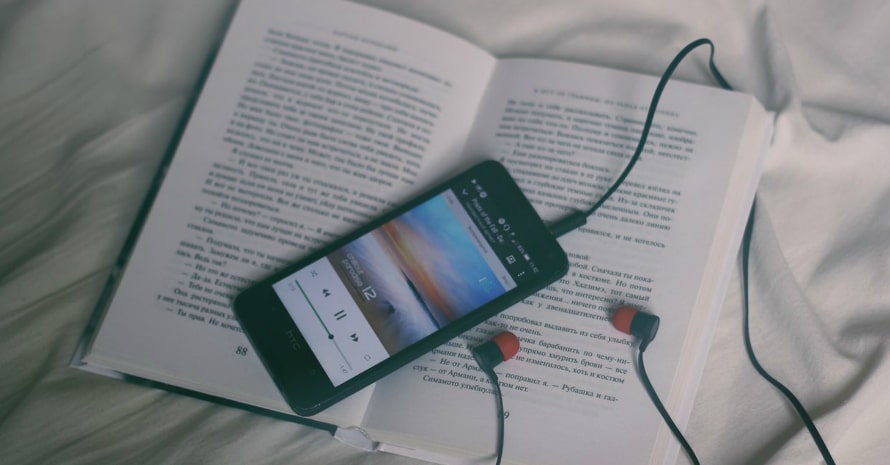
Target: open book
x,y
317,116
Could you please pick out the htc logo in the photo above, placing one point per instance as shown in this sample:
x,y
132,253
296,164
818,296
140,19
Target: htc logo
x,y
292,338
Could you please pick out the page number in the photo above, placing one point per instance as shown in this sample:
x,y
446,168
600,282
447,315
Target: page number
x,y
241,350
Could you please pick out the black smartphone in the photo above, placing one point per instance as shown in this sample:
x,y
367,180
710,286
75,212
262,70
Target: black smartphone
x,y
395,289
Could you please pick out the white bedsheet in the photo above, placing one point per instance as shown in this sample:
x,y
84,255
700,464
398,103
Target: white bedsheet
x,y
91,91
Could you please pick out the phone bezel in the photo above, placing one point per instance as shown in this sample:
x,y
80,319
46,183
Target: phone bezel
x,y
292,364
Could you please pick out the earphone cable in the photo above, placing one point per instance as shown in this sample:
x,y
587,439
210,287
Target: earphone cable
x,y
578,218
798,406
499,399
664,413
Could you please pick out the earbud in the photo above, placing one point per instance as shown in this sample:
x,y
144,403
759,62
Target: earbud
x,y
631,321
496,350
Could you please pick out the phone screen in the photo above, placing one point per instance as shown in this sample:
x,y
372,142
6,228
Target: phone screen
x,y
401,282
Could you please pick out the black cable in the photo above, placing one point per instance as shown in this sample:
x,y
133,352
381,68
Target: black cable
x,y
664,414
493,377
579,218
798,407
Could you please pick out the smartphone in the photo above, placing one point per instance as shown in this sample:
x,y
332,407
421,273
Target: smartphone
x,y
375,300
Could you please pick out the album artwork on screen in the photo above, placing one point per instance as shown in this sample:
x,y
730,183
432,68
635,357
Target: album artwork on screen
x,y
406,279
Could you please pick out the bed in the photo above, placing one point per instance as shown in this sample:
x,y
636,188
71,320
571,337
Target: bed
x,y
92,91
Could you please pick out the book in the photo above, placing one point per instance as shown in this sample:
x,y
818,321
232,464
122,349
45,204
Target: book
x,y
315,117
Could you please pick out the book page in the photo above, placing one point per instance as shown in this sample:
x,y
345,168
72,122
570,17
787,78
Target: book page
x,y
664,243
315,118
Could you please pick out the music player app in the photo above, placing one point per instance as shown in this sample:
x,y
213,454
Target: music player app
x,y
395,285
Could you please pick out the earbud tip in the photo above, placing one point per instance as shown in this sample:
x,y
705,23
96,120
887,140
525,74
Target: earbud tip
x,y
508,343
623,317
